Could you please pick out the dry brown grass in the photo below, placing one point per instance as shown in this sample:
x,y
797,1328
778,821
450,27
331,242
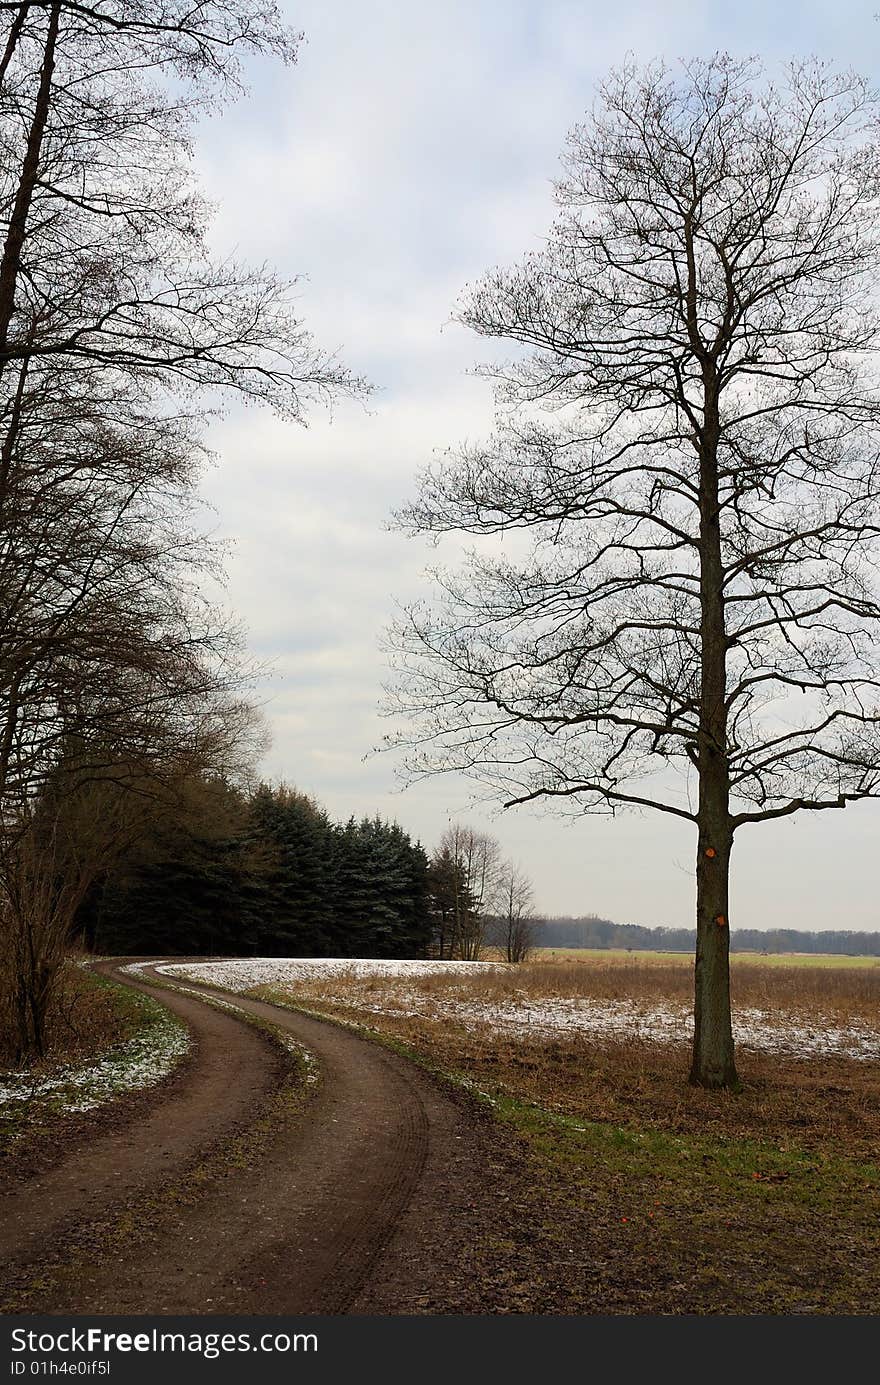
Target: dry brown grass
x,y
842,994
830,1104
85,1015
644,1194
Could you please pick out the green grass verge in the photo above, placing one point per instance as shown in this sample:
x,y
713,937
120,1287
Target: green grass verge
x,y
750,1225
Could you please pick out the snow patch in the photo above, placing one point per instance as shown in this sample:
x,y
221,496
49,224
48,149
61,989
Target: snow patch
x,y
142,1061
769,1031
245,972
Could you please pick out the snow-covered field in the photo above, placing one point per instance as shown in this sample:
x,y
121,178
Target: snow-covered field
x,y
773,1031
244,972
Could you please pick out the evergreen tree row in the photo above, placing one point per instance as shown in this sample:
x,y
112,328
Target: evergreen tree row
x,y
271,875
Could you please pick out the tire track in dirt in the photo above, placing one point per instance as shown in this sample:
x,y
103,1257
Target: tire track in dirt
x,y
228,1073
362,1193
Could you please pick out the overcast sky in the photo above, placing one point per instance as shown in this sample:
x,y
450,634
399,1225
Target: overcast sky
x,y
411,148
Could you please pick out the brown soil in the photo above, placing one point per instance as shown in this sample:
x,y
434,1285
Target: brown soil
x,y
239,1188
828,1105
146,1142
182,1212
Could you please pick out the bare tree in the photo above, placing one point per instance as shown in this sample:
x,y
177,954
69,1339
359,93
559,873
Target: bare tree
x,y
514,905
689,434
66,836
114,670
99,559
119,332
91,811
104,257
112,317
474,858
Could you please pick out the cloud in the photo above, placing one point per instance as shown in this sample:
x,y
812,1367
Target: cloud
x,y
412,147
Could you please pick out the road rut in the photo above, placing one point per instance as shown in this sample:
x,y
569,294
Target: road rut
x,y
354,1206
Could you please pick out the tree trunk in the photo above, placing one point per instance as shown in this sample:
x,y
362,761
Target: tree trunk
x,y
12,40
713,1063
10,261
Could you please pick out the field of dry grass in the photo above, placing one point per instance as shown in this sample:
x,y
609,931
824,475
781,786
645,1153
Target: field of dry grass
x,y
846,993
685,959
812,997
671,1198
821,1102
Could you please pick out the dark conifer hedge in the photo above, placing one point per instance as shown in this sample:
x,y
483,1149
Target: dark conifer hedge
x,y
273,876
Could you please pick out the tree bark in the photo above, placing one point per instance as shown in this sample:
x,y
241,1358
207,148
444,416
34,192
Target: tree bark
x,y
713,1061
12,40
10,262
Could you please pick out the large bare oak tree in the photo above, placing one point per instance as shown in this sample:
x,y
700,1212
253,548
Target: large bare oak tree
x,y
685,471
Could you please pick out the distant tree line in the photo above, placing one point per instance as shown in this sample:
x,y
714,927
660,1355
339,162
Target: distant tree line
x,y
602,933
267,873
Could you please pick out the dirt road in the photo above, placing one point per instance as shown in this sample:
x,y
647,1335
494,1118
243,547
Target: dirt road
x,y
358,1201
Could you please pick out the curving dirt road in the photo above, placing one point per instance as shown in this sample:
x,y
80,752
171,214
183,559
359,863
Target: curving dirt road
x,y
358,1201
